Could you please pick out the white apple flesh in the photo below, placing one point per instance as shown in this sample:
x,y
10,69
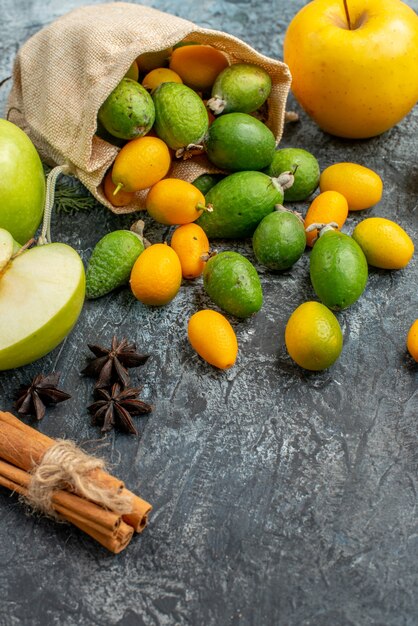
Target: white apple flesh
x,y
41,297
6,248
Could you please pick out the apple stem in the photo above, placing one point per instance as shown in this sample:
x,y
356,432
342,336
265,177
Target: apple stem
x,y
347,14
45,236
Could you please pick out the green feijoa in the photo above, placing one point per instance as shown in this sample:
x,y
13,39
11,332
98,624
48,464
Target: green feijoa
x,y
239,202
238,141
240,87
304,167
338,269
279,240
106,136
111,262
128,112
181,118
205,182
232,282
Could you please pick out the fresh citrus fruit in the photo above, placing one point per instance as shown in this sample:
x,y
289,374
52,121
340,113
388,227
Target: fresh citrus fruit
x,y
140,164
174,201
279,240
198,65
122,198
156,275
191,244
232,282
361,186
313,336
213,338
385,243
412,341
329,206
303,166
338,269
154,78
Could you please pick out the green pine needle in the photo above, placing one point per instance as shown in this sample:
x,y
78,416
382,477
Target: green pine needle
x,y
71,196
69,200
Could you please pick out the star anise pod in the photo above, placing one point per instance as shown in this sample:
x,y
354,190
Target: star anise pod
x,y
111,364
32,399
115,408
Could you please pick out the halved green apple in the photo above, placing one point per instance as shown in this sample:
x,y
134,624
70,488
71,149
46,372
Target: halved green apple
x,y
6,248
41,296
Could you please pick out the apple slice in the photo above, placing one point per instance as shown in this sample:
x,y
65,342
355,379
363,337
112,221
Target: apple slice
x,y
41,296
6,248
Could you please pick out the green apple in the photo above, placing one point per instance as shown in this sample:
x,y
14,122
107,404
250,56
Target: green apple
x,y
22,183
41,295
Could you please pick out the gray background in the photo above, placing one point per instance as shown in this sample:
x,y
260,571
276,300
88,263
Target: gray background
x,y
280,496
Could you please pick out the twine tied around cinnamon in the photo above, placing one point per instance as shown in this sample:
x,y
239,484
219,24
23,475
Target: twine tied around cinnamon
x,y
65,466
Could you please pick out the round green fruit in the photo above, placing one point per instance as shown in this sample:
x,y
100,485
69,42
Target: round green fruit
x,y
303,166
111,262
232,282
181,118
238,141
22,183
205,182
279,240
338,270
239,202
240,87
106,136
128,112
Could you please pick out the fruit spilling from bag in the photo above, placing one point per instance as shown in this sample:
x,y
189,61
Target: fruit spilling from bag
x,y
200,104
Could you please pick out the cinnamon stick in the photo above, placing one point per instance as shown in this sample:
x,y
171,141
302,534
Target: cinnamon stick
x,y
91,513
140,508
22,448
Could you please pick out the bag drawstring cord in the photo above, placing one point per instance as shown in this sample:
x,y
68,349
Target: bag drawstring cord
x,y
45,236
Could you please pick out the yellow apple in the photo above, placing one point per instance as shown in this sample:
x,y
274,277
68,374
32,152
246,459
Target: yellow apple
x,y
354,64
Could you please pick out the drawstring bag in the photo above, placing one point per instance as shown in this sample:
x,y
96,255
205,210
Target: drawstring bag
x,y
63,74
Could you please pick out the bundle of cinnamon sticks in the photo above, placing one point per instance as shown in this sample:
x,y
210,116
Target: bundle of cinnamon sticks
x,y
22,449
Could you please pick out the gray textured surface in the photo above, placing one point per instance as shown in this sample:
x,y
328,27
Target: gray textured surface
x,y
280,497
